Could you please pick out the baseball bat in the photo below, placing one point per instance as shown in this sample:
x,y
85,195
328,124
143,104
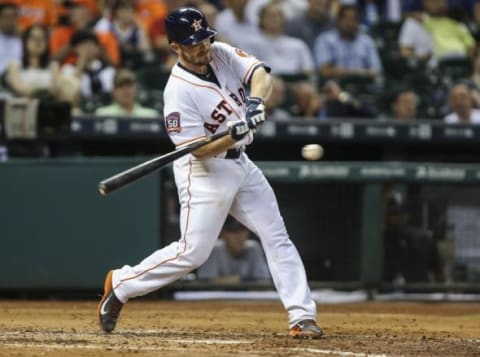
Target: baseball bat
x,y
123,178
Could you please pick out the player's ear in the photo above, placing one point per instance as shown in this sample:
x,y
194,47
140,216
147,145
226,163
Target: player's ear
x,y
175,46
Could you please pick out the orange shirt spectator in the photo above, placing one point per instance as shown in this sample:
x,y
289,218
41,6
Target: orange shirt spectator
x,y
91,5
150,10
33,12
60,37
78,17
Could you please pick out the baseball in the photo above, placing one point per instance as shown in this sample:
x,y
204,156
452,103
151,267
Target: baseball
x,y
312,152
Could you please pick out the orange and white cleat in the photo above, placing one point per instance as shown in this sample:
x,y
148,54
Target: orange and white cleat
x,y
109,307
306,329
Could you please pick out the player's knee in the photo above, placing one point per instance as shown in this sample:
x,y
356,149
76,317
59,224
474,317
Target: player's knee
x,y
197,258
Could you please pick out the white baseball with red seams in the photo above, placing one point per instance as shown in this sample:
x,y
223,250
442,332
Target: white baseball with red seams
x,y
210,189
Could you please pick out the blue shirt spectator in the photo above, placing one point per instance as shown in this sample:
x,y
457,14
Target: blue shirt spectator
x,y
345,50
10,41
311,22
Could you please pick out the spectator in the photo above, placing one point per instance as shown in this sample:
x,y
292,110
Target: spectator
x,y
474,82
311,22
345,50
273,47
38,12
276,100
404,106
35,73
235,258
124,98
410,253
450,37
158,37
308,102
79,18
290,8
9,38
95,75
148,11
341,104
414,40
234,25
130,36
461,103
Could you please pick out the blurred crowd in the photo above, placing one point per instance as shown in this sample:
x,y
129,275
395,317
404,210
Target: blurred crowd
x,y
401,59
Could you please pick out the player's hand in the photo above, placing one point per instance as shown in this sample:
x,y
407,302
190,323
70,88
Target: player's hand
x,y
238,129
255,112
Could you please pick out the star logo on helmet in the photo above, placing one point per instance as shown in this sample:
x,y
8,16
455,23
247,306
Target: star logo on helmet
x,y
197,25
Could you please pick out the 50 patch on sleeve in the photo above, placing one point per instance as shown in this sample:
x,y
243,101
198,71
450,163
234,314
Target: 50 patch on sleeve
x,y
172,123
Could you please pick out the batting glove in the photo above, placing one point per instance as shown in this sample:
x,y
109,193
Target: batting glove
x,y
238,129
255,113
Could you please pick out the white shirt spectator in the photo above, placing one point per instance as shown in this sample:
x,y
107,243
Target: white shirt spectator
x,y
234,31
413,35
453,118
284,54
290,8
105,75
12,50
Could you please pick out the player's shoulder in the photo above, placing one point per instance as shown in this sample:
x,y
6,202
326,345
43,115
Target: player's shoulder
x,y
226,51
222,48
177,87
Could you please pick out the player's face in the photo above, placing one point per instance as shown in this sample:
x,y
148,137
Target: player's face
x,y
196,57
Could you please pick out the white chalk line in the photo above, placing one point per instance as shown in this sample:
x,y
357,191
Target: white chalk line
x,y
167,344
340,353
172,348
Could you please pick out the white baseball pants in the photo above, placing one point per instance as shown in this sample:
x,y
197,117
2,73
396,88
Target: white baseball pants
x,y
208,191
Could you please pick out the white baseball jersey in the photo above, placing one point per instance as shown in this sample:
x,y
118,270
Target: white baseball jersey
x,y
195,107
210,189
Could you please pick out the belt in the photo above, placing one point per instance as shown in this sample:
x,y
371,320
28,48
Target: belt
x,y
233,154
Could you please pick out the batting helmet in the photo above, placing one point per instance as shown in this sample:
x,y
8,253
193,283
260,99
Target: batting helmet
x,y
187,26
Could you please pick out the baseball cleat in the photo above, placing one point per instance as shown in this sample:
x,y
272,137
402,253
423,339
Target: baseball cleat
x,y
306,329
109,307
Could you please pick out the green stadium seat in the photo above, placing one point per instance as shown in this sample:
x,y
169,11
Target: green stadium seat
x,y
152,77
89,105
151,98
385,35
292,78
455,68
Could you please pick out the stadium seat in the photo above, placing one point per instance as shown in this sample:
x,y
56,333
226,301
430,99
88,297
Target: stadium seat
x,y
385,35
89,105
292,78
456,68
152,77
152,98
136,59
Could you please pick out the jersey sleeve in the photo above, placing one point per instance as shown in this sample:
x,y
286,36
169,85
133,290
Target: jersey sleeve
x,y
239,61
183,122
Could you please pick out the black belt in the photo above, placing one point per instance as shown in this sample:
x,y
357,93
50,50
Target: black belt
x,y
233,154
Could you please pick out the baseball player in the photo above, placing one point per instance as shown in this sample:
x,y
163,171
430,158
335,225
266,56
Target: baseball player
x,y
206,93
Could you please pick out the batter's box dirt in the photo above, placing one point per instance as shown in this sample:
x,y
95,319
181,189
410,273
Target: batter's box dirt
x,y
219,328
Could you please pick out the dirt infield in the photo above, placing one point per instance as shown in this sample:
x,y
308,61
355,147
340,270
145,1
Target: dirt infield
x,y
219,328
